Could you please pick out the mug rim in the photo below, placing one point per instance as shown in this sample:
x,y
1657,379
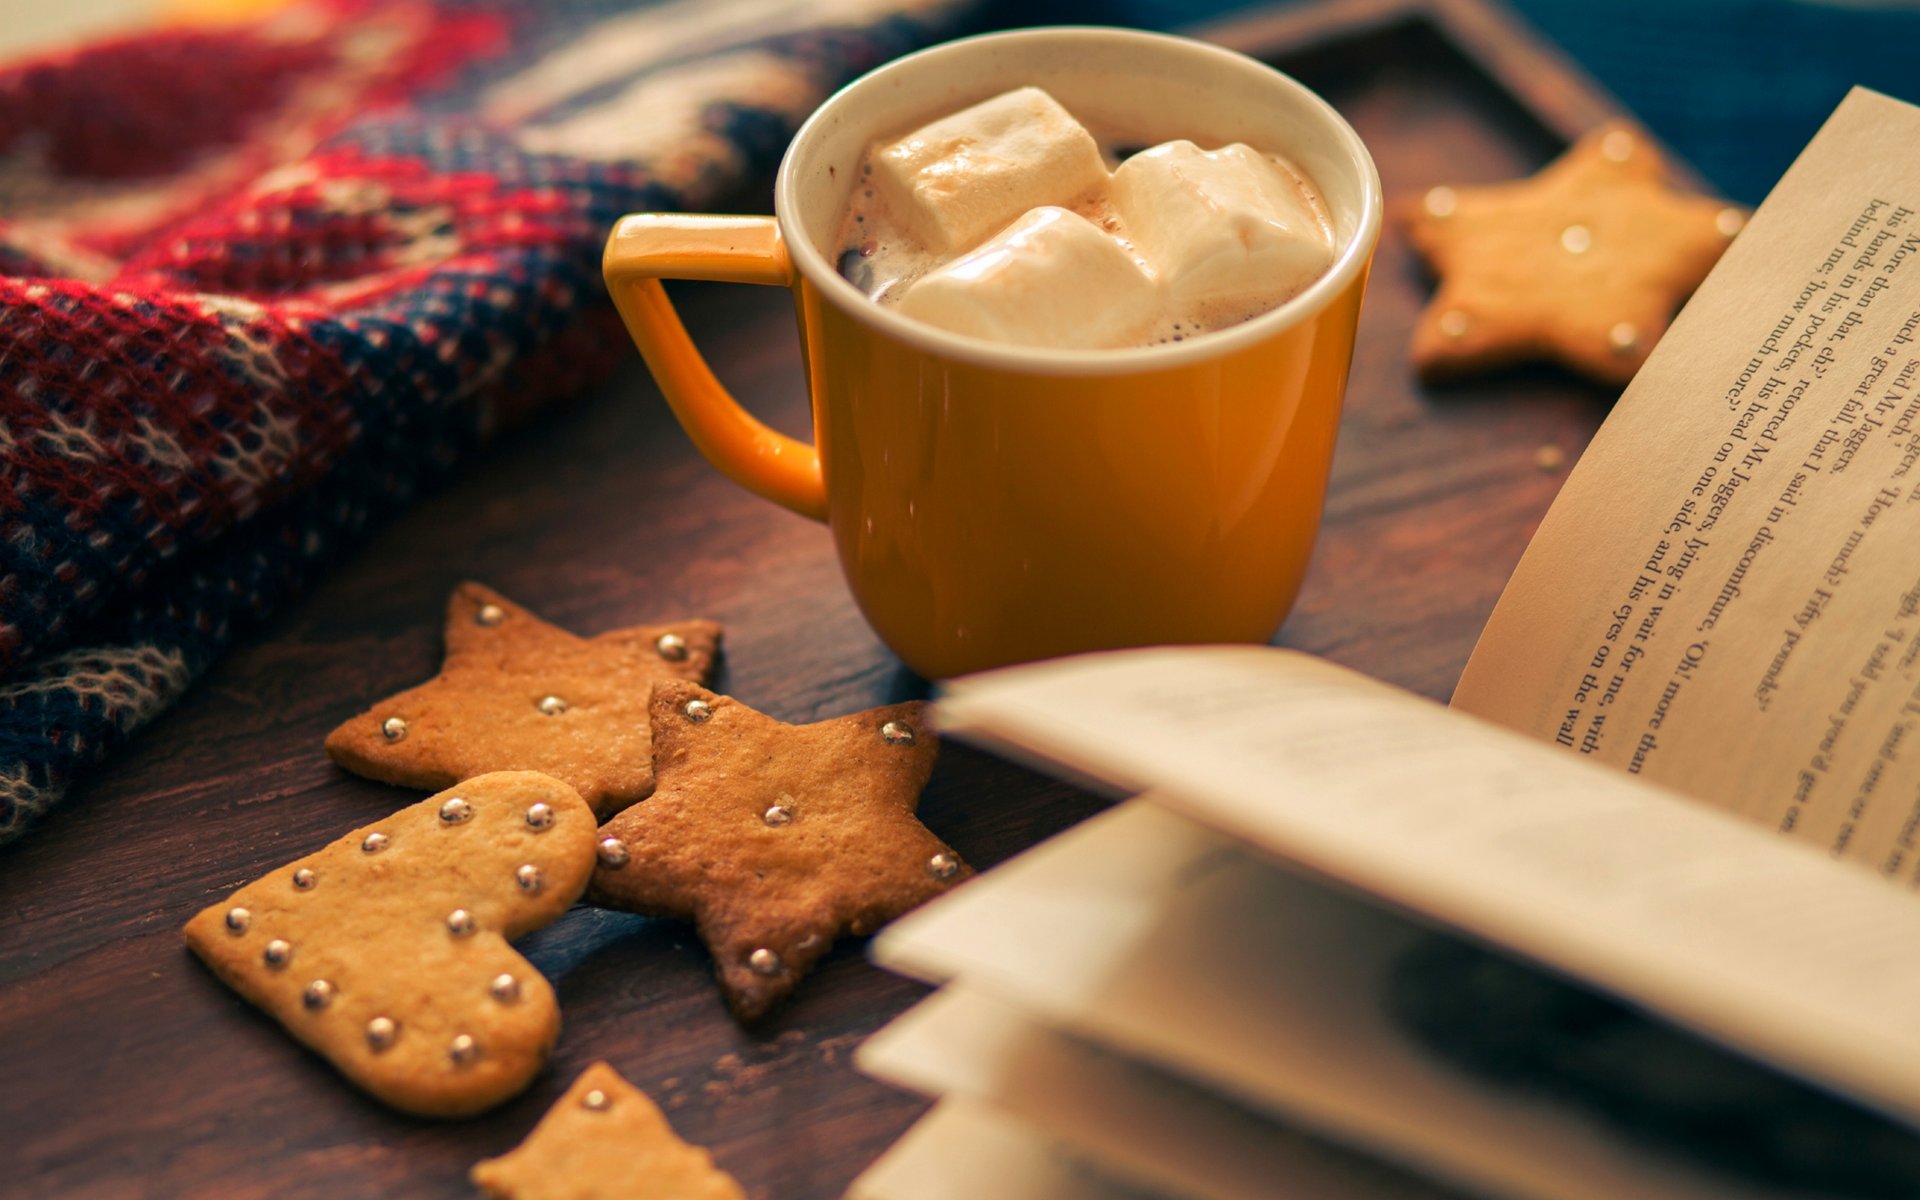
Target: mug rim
x,y
1348,265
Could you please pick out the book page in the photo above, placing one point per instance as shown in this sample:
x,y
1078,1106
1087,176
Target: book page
x,y
1172,945
963,1151
1754,941
1725,597
1140,1125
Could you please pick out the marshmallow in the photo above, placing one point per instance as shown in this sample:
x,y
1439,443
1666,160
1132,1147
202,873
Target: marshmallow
x,y
1228,231
1052,278
968,175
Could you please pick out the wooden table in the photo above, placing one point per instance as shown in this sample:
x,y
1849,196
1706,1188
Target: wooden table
x,y
126,1070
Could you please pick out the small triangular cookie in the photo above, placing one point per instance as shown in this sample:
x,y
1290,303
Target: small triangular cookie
x,y
604,1140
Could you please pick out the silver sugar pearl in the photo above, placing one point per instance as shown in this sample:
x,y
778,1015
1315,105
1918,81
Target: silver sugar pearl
x,y
697,710
1440,202
943,866
380,1033
1729,221
1624,338
553,706
504,988
238,919
279,953
489,614
460,922
373,843
897,733
613,853
456,810
672,647
463,1049
528,877
1454,323
318,995
764,962
304,879
777,816
596,1101
394,728
1576,239
540,815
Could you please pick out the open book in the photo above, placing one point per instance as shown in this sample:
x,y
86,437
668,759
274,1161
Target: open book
x,y
1633,918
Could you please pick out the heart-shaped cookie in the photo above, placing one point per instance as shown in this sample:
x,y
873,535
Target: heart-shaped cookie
x,y
387,951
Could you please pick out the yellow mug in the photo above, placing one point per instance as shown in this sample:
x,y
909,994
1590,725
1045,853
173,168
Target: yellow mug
x,y
994,504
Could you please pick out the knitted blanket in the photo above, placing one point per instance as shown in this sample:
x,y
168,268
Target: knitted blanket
x,y
261,285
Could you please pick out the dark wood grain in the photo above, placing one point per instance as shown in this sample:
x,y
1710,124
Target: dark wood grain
x,y
129,1072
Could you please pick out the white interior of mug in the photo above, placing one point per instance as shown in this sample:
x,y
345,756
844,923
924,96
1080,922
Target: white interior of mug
x,y
1129,87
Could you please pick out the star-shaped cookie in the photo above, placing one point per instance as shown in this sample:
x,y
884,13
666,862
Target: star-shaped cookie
x,y
774,839
1583,264
518,694
604,1140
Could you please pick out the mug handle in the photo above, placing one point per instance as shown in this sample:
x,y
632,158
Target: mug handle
x,y
650,247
